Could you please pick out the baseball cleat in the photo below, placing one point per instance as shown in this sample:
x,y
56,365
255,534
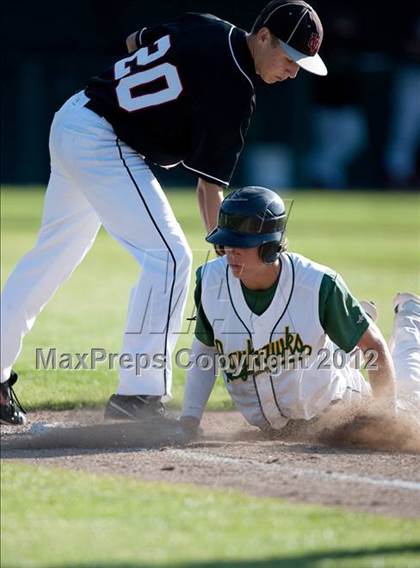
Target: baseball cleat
x,y
137,407
370,308
402,298
11,411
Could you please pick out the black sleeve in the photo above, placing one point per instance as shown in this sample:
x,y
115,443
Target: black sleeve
x,y
150,34
138,37
218,144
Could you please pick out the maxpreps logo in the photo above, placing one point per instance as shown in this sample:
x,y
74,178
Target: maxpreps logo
x,y
286,353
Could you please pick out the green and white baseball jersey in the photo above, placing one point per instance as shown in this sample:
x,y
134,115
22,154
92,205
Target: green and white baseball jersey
x,y
276,346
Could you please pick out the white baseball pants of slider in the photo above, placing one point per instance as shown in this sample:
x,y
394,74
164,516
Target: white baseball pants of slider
x,y
97,179
405,349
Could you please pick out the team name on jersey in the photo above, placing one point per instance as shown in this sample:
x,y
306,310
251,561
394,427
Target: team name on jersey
x,y
283,353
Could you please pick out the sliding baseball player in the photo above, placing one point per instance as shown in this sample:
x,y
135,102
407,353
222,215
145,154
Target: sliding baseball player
x,y
283,328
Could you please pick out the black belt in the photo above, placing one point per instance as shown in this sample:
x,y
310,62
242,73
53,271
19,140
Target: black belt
x,y
91,105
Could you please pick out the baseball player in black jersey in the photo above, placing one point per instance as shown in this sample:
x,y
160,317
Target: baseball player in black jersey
x,y
184,96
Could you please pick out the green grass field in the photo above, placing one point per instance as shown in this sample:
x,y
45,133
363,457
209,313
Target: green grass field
x,y
67,519
70,519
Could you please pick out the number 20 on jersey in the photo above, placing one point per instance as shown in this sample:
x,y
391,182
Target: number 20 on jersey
x,y
129,81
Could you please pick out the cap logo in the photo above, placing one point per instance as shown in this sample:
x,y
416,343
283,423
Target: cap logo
x,y
314,43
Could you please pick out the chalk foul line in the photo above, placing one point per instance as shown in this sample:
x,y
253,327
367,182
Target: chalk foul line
x,y
299,471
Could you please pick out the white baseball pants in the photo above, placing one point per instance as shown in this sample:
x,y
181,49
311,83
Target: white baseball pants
x,y
96,178
405,349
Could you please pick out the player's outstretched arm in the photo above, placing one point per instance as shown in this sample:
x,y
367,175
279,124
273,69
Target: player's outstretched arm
x,y
382,373
199,383
209,196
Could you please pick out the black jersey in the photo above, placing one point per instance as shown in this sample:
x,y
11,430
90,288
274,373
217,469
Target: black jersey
x,y
185,96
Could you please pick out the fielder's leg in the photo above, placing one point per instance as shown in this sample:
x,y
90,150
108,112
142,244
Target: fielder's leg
x,y
68,230
139,217
135,211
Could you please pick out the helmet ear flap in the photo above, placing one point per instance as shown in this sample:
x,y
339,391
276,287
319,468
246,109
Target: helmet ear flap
x,y
271,251
219,250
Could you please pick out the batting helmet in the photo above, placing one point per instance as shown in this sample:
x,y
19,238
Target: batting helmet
x,y
251,217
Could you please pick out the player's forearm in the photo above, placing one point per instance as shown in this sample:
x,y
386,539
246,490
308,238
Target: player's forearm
x,y
382,376
209,196
199,382
381,372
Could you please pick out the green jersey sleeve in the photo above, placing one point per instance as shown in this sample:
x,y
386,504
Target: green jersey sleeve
x,y
342,317
203,329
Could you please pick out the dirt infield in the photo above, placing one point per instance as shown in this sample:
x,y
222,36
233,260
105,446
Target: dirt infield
x,y
360,463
